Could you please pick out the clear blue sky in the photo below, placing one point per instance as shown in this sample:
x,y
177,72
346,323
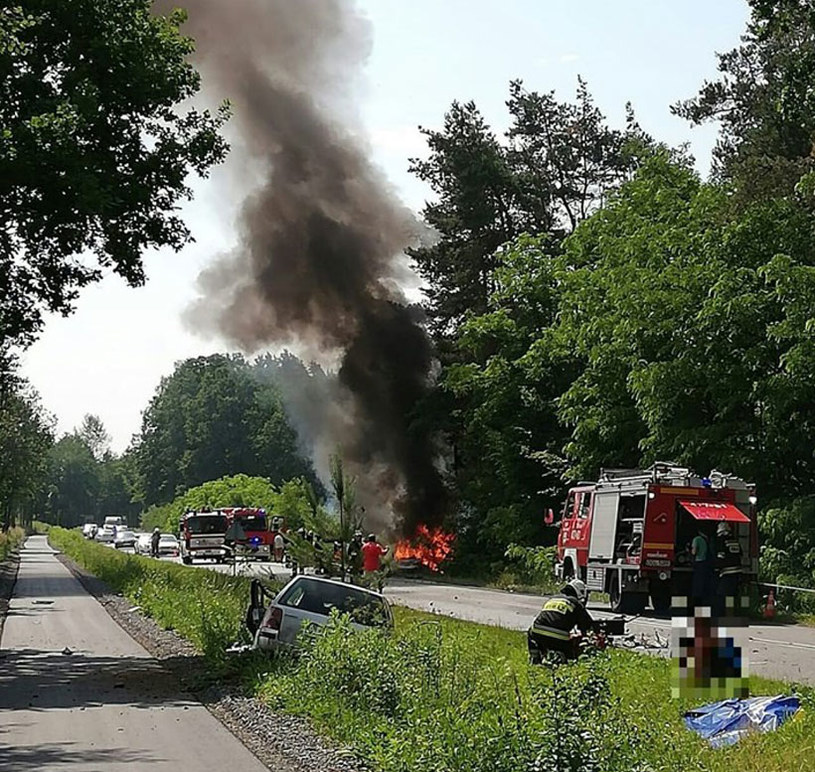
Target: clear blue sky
x,y
109,357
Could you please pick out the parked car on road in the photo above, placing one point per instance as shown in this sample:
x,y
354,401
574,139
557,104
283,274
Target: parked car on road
x,y
168,545
309,601
142,544
106,535
124,539
89,530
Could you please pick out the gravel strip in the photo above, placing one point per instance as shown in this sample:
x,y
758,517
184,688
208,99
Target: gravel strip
x,y
8,578
282,742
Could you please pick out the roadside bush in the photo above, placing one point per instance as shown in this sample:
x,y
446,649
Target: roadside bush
x,y
432,698
533,566
10,540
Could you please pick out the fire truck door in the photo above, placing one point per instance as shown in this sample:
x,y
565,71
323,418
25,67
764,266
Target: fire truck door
x,y
604,525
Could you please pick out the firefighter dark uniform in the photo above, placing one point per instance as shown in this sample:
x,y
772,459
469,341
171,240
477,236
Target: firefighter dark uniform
x,y
728,561
551,630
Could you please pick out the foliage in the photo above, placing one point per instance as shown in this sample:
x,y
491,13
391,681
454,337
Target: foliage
x,y
25,437
535,565
763,101
10,540
212,418
239,490
94,150
93,433
559,161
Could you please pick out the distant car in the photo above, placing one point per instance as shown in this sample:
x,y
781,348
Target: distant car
x,y
142,544
124,539
89,530
106,535
168,545
309,600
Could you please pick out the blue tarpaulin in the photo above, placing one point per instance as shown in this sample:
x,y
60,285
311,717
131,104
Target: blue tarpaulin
x,y
726,722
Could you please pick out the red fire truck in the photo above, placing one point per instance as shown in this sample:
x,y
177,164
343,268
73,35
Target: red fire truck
x,y
256,533
202,536
628,534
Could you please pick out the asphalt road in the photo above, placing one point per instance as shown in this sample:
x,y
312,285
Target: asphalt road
x,y
78,693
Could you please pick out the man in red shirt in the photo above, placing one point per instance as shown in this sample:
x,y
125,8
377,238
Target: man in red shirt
x,y
372,554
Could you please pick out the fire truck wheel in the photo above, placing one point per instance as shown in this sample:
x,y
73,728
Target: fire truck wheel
x,y
660,596
625,602
186,560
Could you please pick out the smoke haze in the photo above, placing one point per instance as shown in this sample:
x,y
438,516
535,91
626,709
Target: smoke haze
x,y
322,237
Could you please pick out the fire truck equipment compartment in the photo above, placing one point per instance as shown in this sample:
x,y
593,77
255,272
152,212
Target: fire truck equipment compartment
x,y
725,723
715,510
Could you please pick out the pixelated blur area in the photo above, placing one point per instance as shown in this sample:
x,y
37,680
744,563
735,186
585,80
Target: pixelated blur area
x,y
708,657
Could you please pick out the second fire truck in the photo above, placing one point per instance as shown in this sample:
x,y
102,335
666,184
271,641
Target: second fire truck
x,y
629,533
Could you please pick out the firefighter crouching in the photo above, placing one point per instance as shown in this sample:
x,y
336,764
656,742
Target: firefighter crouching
x,y
560,615
728,561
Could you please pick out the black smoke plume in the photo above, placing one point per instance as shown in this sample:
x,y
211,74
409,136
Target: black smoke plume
x,y
322,236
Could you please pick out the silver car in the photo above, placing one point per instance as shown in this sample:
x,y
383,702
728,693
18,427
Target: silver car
x,y
124,539
308,601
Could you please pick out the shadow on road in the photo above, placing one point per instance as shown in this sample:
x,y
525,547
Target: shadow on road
x,y
67,756
42,680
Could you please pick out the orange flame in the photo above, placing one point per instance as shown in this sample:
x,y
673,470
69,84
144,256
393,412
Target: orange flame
x,y
430,546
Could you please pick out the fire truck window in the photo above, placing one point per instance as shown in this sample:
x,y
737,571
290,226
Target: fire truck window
x,y
632,507
569,512
585,500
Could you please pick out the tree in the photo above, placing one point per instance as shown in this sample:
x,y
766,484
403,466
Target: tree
x,y
558,163
74,486
26,434
93,433
211,418
94,152
764,101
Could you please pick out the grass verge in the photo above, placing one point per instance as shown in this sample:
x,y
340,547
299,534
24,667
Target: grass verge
x,y
10,540
443,694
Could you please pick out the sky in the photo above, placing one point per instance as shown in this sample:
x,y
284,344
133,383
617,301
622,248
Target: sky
x,y
110,355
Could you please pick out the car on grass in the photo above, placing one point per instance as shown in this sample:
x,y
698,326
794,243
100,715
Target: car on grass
x,y
142,544
168,545
124,539
307,601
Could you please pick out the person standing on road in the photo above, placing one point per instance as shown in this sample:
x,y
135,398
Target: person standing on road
x,y
702,581
728,561
372,554
279,547
155,538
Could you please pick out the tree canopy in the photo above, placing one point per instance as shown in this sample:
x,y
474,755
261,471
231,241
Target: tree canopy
x,y
94,148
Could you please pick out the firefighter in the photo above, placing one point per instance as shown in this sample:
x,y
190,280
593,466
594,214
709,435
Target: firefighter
x,y
355,557
728,562
702,580
155,538
552,628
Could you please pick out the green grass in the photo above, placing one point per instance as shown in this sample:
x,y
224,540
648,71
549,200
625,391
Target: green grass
x,y
10,541
441,694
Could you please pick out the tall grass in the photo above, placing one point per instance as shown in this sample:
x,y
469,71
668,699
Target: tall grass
x,y
443,695
10,540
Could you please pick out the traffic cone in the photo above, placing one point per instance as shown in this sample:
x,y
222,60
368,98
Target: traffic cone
x,y
769,609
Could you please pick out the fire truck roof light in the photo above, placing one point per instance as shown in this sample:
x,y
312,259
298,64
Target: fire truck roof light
x,y
706,482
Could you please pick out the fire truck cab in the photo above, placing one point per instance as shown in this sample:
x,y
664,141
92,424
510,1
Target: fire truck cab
x,y
202,536
257,531
629,533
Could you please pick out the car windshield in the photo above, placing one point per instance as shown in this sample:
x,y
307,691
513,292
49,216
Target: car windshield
x,y
125,535
321,597
167,537
205,524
